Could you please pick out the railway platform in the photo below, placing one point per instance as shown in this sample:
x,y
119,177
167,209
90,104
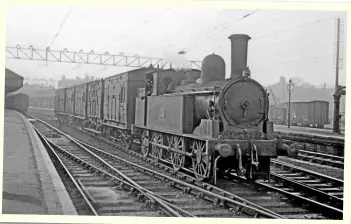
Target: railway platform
x,y
31,184
327,133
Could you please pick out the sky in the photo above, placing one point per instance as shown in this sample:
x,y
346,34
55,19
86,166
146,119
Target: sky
x,y
283,43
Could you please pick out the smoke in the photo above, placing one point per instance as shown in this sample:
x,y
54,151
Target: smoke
x,y
297,81
179,62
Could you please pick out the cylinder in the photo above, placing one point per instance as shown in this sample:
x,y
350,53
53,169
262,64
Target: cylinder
x,y
239,44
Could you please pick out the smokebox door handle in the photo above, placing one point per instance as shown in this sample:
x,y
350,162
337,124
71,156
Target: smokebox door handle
x,y
261,99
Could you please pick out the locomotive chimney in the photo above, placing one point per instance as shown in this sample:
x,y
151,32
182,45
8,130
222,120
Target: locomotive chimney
x,y
239,54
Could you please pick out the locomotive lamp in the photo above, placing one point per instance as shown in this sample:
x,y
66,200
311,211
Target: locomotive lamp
x,y
290,86
246,72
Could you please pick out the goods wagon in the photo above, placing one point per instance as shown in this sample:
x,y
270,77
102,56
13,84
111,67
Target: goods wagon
x,y
17,101
195,120
278,115
120,92
95,97
309,114
60,103
13,82
69,99
80,102
42,102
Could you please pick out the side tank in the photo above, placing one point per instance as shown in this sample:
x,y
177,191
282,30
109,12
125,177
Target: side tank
x,y
207,87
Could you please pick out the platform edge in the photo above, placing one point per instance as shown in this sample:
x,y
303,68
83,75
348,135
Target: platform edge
x,y
49,175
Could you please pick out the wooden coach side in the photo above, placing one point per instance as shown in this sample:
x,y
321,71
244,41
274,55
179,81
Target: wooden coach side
x,y
94,107
80,100
120,92
60,106
319,112
69,98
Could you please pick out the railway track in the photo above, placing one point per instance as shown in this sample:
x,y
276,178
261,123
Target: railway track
x,y
321,158
315,191
74,188
102,195
280,203
175,197
321,192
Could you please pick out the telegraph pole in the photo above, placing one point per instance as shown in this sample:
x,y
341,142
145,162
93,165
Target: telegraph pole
x,y
336,123
290,86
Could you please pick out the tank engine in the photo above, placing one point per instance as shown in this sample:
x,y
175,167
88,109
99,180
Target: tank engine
x,y
195,120
207,123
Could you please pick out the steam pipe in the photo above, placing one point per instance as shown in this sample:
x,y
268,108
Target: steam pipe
x,y
286,149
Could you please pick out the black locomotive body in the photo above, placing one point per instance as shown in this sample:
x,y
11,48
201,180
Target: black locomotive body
x,y
193,119
205,122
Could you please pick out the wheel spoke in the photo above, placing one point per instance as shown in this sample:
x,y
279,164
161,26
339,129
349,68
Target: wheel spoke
x,y
156,151
201,161
145,144
176,159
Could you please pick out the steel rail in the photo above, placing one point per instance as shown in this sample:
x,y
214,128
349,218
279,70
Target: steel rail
x,y
143,190
325,208
305,187
114,178
166,205
321,158
309,190
174,181
338,158
244,203
181,175
309,172
81,191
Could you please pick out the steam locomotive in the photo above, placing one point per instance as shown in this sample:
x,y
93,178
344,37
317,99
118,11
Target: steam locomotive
x,y
192,119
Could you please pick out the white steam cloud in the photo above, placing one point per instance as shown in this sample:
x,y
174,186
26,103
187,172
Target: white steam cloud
x,y
179,62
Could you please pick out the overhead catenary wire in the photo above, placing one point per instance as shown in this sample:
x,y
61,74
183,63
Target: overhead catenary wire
x,y
145,21
209,29
220,31
62,23
277,32
293,61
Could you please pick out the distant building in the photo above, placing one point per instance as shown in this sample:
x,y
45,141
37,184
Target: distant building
x,y
305,92
40,82
63,83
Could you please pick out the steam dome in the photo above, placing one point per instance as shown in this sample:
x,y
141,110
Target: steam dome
x,y
212,68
